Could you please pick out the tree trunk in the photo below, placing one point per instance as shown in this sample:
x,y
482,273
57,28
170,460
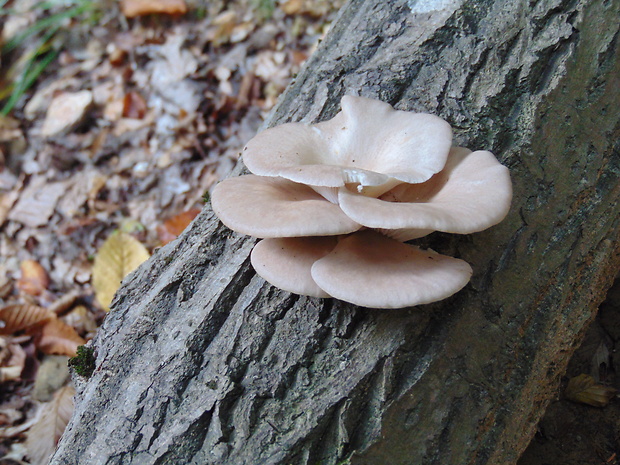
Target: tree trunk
x,y
200,361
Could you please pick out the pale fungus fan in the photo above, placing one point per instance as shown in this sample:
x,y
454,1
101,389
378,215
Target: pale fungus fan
x,y
337,200
365,268
275,207
368,144
471,193
286,262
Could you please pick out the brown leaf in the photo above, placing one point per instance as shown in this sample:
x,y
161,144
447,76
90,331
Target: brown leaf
x,y
303,7
82,320
37,202
96,184
6,283
58,338
9,129
66,111
584,389
117,56
173,227
17,317
34,278
75,224
133,8
292,7
44,435
7,200
12,362
65,303
134,106
119,255
222,27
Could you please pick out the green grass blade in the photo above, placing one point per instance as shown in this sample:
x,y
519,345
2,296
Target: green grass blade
x,y
28,77
44,23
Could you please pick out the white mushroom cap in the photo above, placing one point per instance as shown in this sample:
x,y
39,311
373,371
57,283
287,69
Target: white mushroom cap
x,y
286,262
274,207
368,143
316,188
472,193
371,270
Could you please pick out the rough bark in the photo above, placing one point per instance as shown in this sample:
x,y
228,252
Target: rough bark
x,y
200,361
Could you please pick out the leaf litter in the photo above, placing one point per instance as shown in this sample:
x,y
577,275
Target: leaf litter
x,y
131,114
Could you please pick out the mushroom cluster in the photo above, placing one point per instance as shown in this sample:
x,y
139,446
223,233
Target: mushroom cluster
x,y
335,202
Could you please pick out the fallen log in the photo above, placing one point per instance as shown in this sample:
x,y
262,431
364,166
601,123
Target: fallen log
x,y
201,361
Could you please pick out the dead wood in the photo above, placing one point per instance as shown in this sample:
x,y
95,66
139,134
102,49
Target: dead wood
x,y
200,361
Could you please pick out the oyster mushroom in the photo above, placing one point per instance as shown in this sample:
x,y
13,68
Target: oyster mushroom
x,y
286,262
365,268
274,207
336,200
368,144
472,193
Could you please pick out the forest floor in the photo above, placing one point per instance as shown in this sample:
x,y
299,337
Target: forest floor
x,y
113,128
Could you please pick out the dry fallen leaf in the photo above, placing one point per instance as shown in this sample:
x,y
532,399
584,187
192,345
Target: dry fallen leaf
x,y
10,373
222,27
17,317
601,361
53,335
6,282
9,129
37,202
44,435
58,338
173,227
133,8
134,106
117,55
12,360
66,111
11,135
65,303
10,414
292,7
119,255
34,279
315,9
82,320
585,390
7,200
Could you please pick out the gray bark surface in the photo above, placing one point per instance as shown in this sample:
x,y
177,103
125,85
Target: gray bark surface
x,y
201,362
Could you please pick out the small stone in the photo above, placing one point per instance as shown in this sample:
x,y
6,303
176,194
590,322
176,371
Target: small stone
x,y
66,111
51,376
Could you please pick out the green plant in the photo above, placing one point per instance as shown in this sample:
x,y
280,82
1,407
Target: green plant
x,y
264,8
84,361
48,37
